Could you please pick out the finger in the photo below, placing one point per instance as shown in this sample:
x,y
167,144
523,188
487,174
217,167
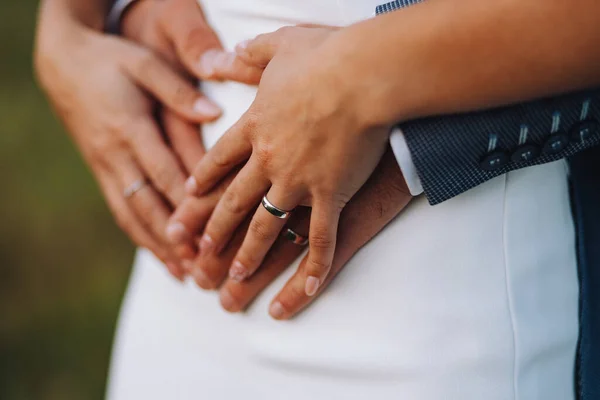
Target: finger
x,y
236,296
240,198
262,233
369,211
232,149
199,49
222,65
129,223
260,50
175,92
184,25
210,270
190,218
322,238
158,160
184,137
146,203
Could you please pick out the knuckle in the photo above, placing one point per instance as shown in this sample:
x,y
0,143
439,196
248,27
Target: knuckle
x,y
250,259
233,203
251,121
264,154
220,160
164,178
321,241
318,265
261,231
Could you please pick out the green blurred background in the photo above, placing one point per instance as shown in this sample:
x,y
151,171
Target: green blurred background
x,y
63,263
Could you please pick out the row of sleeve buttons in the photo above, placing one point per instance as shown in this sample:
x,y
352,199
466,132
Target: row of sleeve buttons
x,y
556,142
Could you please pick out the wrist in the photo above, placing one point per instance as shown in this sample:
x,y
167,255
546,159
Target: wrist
x,y
364,73
59,40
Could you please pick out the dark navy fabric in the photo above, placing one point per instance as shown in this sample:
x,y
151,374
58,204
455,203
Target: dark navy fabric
x,y
449,151
585,188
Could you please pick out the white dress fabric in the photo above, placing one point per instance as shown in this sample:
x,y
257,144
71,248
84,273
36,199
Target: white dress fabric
x,y
473,299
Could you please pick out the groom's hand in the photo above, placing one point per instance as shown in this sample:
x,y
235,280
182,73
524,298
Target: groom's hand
x,y
179,31
104,89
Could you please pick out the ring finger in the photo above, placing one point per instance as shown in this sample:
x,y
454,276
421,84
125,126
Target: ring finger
x,y
265,227
130,223
144,201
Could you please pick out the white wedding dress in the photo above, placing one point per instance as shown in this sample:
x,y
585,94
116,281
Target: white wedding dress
x,y
473,299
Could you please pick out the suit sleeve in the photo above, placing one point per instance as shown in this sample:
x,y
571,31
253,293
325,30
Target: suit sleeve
x,y
455,153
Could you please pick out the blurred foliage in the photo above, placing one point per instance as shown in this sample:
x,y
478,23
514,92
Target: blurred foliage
x,y
63,263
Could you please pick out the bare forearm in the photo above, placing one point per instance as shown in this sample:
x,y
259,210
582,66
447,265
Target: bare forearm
x,y
446,56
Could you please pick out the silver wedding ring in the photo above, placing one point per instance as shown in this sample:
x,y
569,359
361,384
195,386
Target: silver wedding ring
x,y
273,210
135,187
295,237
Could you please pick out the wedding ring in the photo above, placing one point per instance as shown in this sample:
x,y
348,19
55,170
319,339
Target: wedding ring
x,y
273,210
295,237
135,187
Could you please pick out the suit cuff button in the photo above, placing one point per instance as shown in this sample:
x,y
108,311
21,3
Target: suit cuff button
x,y
494,161
584,131
556,143
525,153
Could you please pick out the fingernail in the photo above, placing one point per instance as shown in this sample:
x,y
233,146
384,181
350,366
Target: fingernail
x,y
176,232
312,285
206,108
191,185
276,310
238,272
242,46
206,244
206,65
226,299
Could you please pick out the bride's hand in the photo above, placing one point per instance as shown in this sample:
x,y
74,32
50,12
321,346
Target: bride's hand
x,y
382,198
306,139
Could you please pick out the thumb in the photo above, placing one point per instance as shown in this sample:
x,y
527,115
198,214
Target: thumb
x,y
185,26
199,48
260,50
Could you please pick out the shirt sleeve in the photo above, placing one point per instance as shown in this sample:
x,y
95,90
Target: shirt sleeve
x,y
404,159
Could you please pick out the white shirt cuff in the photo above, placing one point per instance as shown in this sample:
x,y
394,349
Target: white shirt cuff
x,y
402,153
